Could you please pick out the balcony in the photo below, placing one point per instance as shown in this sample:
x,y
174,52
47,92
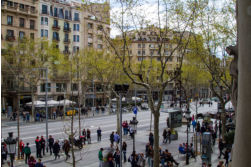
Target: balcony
x,y
76,18
10,38
66,41
33,11
55,27
66,52
56,39
67,29
25,10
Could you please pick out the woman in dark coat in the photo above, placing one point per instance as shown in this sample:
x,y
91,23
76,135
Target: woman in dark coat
x,y
56,149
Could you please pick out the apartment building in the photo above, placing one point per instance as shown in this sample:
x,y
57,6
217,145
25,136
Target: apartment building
x,y
18,20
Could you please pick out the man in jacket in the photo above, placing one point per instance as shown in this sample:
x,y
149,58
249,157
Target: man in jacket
x,y
38,147
99,134
51,142
27,152
56,149
42,141
66,148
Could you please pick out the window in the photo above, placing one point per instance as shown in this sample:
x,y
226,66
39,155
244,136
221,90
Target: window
x,y
42,33
100,46
32,24
21,22
143,45
10,33
55,12
9,20
44,21
42,87
32,36
139,52
100,37
75,27
90,44
21,6
76,38
89,25
55,36
51,10
139,45
66,14
61,87
61,13
74,87
66,48
143,52
21,34
44,9
75,49
9,3
89,35
45,33
55,23
66,26
76,16
100,28
66,37
140,58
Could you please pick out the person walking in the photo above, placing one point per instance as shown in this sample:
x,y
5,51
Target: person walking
x,y
66,148
100,157
116,137
21,146
51,142
27,152
38,147
112,137
88,136
151,139
56,149
124,147
221,147
226,157
3,152
39,163
32,162
99,134
164,136
194,125
84,135
116,157
42,141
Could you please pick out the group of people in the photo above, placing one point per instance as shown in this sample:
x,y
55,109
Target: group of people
x,y
166,135
127,129
187,149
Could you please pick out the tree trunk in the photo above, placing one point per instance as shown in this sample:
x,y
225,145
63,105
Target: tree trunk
x,y
156,158
32,107
72,143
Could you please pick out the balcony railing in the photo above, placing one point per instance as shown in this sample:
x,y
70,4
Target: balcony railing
x,y
67,29
56,39
10,38
67,41
56,27
23,10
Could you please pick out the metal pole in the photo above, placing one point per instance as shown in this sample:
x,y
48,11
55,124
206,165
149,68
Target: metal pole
x,y
187,158
133,140
120,128
135,103
196,138
46,107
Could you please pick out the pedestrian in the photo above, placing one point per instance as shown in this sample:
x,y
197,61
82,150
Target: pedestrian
x,y
220,125
54,114
112,138
194,125
21,146
84,135
56,149
32,162
167,122
124,147
131,132
3,152
151,139
220,164
150,156
99,134
226,157
51,142
164,136
88,136
221,147
141,160
213,136
110,160
100,157
169,135
42,141
116,137
124,127
38,147
39,163
66,148
116,157
27,152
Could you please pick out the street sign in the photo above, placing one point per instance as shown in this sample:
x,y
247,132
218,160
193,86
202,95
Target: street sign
x,y
135,110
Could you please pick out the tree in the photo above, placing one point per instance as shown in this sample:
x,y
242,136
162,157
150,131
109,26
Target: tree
x,y
150,74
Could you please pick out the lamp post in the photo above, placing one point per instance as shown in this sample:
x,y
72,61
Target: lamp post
x,y
11,147
121,89
134,123
188,118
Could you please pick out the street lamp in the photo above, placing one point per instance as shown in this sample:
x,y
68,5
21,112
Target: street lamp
x,y
121,89
11,147
187,115
134,123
